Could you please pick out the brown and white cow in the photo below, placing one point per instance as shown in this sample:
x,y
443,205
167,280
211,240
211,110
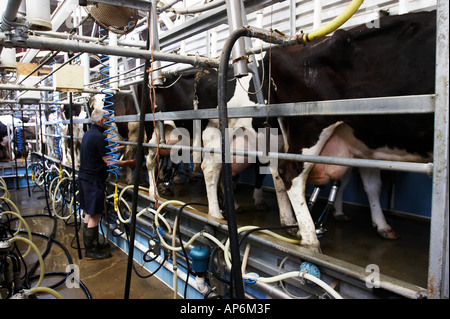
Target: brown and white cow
x,y
393,60
120,104
199,91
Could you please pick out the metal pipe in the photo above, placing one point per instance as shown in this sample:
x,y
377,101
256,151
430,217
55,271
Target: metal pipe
x,y
25,155
52,89
74,182
423,168
67,36
235,9
199,8
10,14
438,276
156,65
34,42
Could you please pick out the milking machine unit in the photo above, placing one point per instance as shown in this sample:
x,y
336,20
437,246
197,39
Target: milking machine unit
x,y
322,220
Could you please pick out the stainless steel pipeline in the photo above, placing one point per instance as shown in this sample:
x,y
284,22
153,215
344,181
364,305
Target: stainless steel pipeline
x,y
35,42
199,8
10,14
52,89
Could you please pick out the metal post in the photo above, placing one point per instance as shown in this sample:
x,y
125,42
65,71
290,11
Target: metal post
x,y
235,14
24,152
438,258
74,181
156,74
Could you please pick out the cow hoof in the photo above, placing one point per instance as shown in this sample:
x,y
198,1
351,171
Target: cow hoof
x,y
218,216
240,211
166,190
388,234
294,232
262,207
313,247
342,218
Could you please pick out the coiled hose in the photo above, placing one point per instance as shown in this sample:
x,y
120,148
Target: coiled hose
x,y
110,132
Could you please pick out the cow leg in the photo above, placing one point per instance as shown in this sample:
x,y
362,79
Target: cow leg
x,y
211,167
130,150
243,139
372,186
307,228
287,217
211,172
258,196
151,161
338,207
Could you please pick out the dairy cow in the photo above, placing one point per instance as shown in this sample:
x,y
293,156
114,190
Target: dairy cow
x,y
397,58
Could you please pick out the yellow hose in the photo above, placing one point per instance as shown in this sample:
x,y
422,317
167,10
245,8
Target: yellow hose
x,y
11,203
47,290
38,254
21,221
335,23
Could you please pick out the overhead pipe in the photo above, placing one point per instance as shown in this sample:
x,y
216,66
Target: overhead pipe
x,y
10,15
13,87
34,42
199,8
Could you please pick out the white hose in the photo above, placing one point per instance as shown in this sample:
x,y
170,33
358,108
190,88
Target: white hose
x,y
227,256
304,275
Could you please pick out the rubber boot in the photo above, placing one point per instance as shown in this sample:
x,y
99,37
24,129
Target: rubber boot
x,y
102,246
92,252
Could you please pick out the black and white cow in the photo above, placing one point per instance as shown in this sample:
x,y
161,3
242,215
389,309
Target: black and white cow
x,y
396,59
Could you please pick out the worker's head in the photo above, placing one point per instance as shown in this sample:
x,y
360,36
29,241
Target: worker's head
x,y
97,116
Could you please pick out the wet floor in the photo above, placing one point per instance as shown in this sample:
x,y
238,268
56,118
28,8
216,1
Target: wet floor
x,y
99,279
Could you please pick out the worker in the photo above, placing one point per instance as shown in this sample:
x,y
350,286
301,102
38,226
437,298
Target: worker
x,y
92,177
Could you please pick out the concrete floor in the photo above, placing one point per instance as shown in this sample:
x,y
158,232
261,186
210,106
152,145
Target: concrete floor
x,y
104,279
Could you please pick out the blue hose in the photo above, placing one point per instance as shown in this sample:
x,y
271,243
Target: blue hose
x,y
19,134
107,106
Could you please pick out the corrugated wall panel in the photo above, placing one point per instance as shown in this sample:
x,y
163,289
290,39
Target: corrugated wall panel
x,y
278,15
